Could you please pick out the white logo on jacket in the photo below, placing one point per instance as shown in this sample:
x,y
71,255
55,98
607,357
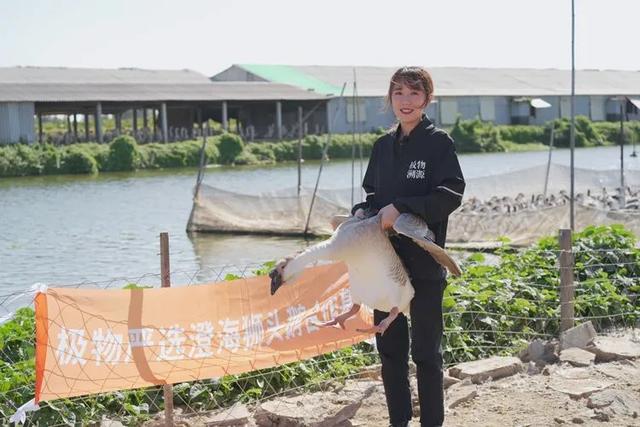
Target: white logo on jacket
x,y
417,169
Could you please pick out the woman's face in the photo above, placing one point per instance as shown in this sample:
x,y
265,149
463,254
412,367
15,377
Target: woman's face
x,y
407,103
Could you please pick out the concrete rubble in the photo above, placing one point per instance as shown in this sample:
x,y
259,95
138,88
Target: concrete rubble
x,y
481,370
577,357
590,371
579,336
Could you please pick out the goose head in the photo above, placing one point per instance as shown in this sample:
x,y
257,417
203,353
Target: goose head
x,y
279,274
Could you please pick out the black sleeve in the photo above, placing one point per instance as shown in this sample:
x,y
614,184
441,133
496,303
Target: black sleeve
x,y
368,183
447,195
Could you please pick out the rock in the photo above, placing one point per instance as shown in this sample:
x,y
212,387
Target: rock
x,y
623,371
460,393
607,349
237,415
577,420
559,420
577,357
573,373
601,416
532,369
578,388
540,352
481,370
619,402
449,381
316,409
579,336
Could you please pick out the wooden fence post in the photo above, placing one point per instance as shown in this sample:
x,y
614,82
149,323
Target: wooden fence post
x,y
567,291
165,277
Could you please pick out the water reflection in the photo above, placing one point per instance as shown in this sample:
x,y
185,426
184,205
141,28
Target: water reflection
x,y
220,254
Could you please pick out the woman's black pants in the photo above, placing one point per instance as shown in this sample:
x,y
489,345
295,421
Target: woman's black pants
x,y
426,337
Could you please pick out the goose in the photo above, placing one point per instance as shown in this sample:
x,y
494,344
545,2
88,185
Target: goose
x,y
377,276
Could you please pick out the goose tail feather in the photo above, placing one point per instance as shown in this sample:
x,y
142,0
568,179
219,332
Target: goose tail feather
x,y
415,228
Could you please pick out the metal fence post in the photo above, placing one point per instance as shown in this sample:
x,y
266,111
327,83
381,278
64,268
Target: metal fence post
x,y
165,277
567,291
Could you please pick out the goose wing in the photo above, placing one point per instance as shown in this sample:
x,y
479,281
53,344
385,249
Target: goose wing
x,y
414,227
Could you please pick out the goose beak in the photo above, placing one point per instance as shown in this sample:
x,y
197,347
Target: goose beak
x,y
276,280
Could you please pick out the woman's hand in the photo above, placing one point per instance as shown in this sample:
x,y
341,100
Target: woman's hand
x,y
389,215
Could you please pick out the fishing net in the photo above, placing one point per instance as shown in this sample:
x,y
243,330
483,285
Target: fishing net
x,y
506,205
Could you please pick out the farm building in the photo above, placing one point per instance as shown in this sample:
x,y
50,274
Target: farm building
x,y
277,101
503,96
170,104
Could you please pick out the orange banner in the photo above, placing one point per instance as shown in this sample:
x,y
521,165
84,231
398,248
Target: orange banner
x,y
96,341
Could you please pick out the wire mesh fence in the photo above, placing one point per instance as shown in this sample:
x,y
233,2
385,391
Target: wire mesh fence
x,y
504,300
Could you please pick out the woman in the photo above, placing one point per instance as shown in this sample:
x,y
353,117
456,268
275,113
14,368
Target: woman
x,y
414,168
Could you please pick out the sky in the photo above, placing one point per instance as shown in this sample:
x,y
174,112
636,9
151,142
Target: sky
x,y
209,36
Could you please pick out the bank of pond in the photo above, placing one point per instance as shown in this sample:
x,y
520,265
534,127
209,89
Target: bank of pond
x,y
125,154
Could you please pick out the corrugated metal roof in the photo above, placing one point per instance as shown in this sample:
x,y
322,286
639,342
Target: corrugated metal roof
x,y
92,75
461,81
292,76
35,84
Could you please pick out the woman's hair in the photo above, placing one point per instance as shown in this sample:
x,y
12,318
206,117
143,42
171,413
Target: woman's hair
x,y
416,78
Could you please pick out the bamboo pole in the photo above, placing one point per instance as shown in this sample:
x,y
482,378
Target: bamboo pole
x,y
546,179
324,155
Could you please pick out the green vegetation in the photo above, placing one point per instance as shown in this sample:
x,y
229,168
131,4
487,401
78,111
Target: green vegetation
x,y
491,309
476,136
124,154
487,304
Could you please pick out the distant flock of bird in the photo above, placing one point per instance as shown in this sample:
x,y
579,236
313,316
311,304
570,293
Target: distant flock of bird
x,y
602,200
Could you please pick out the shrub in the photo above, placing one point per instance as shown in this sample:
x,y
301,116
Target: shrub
x,y
162,156
475,136
76,160
312,146
246,158
50,159
230,146
610,132
521,134
285,151
586,134
124,154
100,152
263,152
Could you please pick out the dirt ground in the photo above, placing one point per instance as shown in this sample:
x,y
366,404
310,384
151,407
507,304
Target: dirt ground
x,y
559,394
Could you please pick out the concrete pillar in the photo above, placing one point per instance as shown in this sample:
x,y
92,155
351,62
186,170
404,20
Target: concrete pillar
x,y
145,124
118,119
329,130
279,120
154,118
86,127
163,121
40,135
75,127
225,116
99,122
135,121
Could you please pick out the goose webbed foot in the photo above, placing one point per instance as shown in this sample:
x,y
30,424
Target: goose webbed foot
x,y
381,327
341,319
